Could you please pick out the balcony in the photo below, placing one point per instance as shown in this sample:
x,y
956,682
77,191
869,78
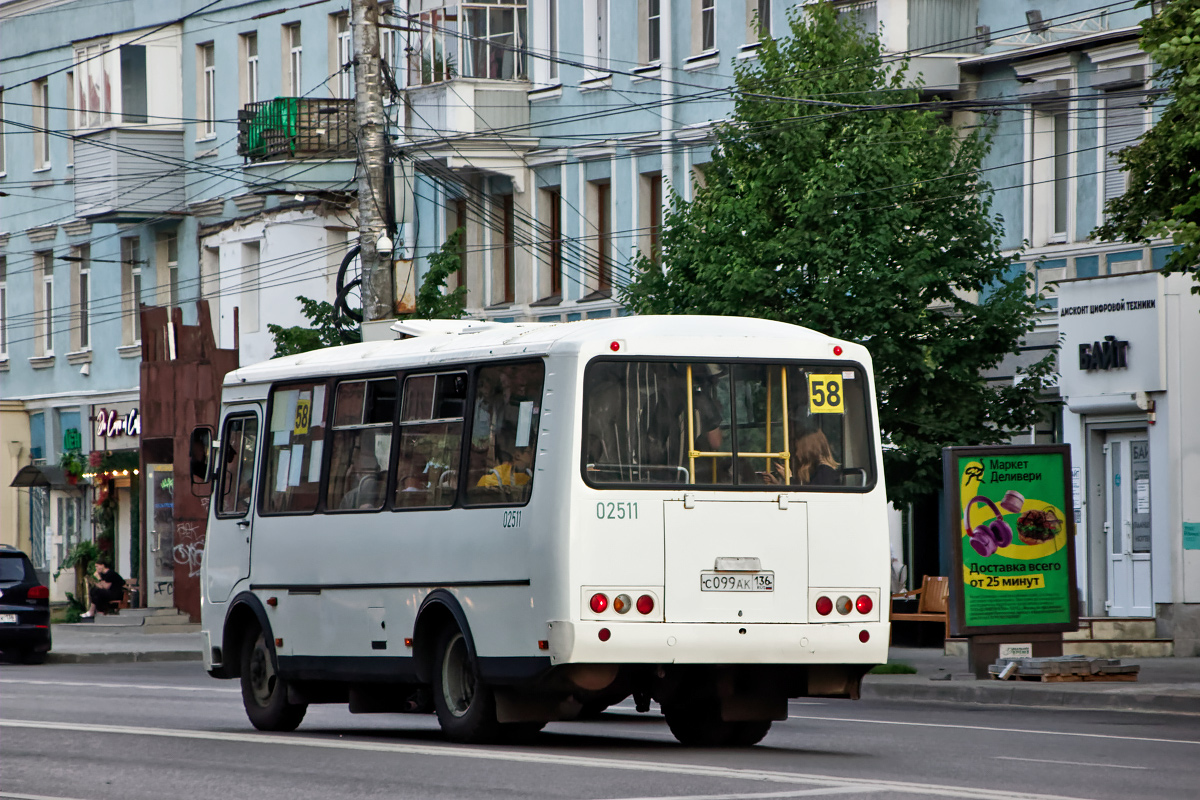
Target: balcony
x,y
473,106
298,144
129,174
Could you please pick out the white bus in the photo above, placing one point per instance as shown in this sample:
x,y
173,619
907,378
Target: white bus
x,y
510,524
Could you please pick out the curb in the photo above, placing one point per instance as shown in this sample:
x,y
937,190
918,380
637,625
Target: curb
x,y
1150,697
122,658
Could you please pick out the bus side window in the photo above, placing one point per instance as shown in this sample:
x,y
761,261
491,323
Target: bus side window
x,y
507,410
431,425
237,465
294,444
361,444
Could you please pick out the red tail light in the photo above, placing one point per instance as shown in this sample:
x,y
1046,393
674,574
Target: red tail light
x,y
864,604
599,602
824,606
39,593
605,634
864,636
645,604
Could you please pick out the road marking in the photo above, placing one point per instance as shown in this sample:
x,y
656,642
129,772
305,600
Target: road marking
x,y
1152,739
552,759
8,796
151,686
757,795
1069,763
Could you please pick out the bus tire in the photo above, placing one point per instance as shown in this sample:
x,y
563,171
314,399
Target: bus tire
x,y
697,723
746,734
264,693
465,705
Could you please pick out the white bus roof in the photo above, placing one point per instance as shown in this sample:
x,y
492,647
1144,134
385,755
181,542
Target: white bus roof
x,y
433,342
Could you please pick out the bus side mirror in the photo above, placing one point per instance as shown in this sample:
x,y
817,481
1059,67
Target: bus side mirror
x,y
201,455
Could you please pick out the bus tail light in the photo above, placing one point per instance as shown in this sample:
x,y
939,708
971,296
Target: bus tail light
x,y
599,602
622,603
864,604
824,606
844,605
864,636
645,604
605,634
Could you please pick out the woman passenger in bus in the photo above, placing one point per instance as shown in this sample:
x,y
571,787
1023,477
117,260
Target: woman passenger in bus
x,y
812,462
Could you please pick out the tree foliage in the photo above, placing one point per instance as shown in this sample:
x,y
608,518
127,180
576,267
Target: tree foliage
x,y
831,202
1163,198
433,300
327,330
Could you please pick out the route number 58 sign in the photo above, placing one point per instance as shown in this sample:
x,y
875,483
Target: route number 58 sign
x,y
825,394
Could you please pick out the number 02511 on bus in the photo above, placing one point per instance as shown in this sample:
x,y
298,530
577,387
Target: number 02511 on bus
x,y
512,524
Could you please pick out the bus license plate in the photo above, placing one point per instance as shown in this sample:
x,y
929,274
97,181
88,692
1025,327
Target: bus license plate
x,y
9,618
724,582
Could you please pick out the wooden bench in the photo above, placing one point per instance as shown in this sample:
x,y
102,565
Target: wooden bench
x,y
933,602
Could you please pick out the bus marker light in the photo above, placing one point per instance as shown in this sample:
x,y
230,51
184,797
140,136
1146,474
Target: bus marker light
x,y
645,604
864,604
408,641
837,349
605,634
622,603
844,605
863,636
279,642
824,606
599,603
543,644
272,601
615,346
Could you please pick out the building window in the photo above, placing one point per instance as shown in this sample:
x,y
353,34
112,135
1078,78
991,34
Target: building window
x,y
3,308
131,290
595,33
708,25
553,20
2,168
250,300
758,20
249,76
1048,174
94,85
41,124
344,53
168,269
550,212
600,208
294,51
1124,123
494,42
458,222
70,123
133,83
43,303
387,49
208,96
651,222
865,15
507,232
81,291
653,31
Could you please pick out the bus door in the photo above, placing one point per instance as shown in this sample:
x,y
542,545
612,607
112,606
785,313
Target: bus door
x,y
227,553
735,560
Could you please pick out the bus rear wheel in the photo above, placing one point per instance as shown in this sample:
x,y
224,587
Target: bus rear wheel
x,y
698,723
264,693
465,706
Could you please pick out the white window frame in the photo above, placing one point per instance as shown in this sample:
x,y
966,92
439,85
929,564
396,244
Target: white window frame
x,y
1040,180
596,29
653,31
71,117
131,290
249,317
344,54
44,304
3,308
249,53
3,170
762,10
294,59
41,125
81,299
208,98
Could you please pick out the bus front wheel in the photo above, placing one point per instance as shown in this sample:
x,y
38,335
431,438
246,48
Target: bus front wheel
x,y
264,693
465,706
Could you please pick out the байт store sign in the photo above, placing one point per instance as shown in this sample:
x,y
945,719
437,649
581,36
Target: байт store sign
x,y
1013,539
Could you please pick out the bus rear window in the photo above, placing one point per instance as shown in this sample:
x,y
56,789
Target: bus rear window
x,y
720,424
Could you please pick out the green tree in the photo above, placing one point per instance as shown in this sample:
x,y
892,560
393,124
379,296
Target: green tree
x,y
326,330
433,301
832,202
1163,198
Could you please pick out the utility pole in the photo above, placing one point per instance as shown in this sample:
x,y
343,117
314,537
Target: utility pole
x,y
377,283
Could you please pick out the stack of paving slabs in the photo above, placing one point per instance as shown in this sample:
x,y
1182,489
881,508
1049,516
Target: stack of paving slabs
x,y
1061,669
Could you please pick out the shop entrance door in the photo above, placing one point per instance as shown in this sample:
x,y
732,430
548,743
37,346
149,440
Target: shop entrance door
x,y
160,535
1127,524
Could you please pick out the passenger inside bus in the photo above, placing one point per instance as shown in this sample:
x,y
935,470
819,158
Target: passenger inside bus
x,y
514,469
366,481
812,462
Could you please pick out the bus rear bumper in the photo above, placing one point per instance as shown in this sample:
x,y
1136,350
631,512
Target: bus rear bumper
x,y
717,643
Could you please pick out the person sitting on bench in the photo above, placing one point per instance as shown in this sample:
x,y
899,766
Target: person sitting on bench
x,y
109,589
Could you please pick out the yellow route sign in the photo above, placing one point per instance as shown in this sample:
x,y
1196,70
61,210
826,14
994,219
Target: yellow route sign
x,y
825,394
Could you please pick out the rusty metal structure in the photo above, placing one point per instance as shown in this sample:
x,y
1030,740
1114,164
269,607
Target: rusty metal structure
x,y
181,374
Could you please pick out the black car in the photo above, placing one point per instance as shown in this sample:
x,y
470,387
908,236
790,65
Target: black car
x,y
24,608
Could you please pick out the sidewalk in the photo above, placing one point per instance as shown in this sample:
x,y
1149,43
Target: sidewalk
x,y
1164,684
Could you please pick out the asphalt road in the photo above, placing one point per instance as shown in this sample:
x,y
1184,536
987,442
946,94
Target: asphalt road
x,y
167,730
